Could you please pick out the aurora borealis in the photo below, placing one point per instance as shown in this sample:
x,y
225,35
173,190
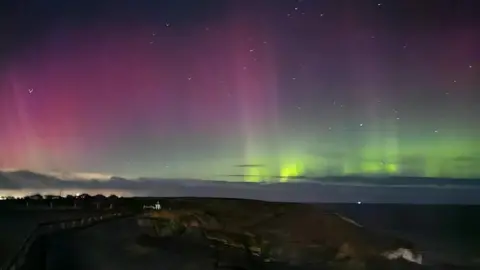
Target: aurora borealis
x,y
241,90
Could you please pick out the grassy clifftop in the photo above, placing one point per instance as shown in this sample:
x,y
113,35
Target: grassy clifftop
x,y
279,232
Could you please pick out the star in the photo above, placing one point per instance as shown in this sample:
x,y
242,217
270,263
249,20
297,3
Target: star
x,y
361,124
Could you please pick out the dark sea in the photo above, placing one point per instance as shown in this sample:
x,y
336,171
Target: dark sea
x,y
444,234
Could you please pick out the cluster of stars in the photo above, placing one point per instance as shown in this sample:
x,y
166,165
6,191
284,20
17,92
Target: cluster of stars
x,y
154,34
298,10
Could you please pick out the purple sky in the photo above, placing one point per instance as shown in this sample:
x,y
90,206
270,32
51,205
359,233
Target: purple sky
x,y
194,89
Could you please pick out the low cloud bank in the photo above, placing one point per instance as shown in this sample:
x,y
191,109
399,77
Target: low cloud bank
x,y
332,189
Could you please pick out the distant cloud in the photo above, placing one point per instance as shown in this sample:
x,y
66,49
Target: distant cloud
x,y
466,159
79,176
266,176
243,175
250,165
325,189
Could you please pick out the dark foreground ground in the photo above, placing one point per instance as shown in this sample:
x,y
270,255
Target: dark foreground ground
x,y
17,224
445,235
119,245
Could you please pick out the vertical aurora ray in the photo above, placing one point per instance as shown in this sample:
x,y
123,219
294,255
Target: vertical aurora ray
x,y
255,87
27,135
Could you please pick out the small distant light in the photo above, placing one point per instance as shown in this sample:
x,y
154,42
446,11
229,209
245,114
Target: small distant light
x,y
359,202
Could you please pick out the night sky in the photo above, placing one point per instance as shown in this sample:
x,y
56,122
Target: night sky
x,y
241,90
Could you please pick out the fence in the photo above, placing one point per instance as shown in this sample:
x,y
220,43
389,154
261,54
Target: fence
x,y
19,259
